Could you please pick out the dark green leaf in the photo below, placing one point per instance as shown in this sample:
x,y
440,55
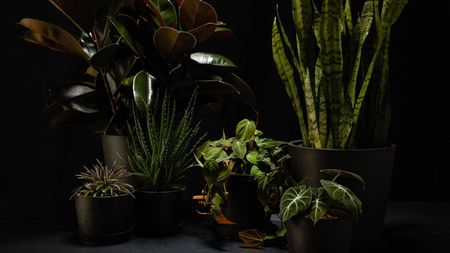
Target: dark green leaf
x,y
335,172
143,84
194,13
171,43
245,130
294,201
319,204
212,59
239,149
80,12
343,197
123,25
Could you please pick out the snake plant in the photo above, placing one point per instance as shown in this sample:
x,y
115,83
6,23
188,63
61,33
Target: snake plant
x,y
336,70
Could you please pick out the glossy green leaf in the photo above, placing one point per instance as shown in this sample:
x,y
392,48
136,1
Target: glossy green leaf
x,y
82,13
194,13
223,32
212,153
319,204
245,130
294,201
52,36
143,84
344,173
167,11
121,26
66,93
239,149
343,197
212,59
171,43
252,157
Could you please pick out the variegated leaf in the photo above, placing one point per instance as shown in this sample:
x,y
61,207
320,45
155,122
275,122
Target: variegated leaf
x,y
295,200
343,197
319,204
336,172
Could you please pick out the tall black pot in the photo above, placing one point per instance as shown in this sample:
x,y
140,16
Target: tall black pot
x,y
242,206
373,165
103,220
159,213
327,236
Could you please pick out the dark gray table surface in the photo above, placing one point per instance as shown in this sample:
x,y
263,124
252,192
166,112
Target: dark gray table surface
x,y
41,227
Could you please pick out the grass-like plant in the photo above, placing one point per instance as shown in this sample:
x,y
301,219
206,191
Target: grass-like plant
x,y
102,181
162,142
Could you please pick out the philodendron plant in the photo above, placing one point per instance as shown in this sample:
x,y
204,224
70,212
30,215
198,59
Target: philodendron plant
x,y
117,39
317,202
336,70
249,153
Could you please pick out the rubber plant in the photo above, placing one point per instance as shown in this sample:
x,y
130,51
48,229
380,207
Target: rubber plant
x,y
248,152
336,68
118,39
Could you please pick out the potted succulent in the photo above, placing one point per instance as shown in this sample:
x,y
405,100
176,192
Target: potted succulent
x,y
116,40
319,219
161,145
104,204
336,76
245,175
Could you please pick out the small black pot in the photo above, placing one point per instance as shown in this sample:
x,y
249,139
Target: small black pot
x,y
327,236
104,220
373,165
159,213
242,207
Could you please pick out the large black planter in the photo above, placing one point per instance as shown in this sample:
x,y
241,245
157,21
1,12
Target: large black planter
x,y
103,220
159,213
242,207
327,236
374,165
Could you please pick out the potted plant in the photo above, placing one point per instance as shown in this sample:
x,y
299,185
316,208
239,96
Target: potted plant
x,y
319,219
245,175
118,39
161,145
104,204
336,76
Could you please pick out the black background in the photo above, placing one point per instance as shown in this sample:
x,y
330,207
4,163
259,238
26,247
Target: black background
x,y
38,164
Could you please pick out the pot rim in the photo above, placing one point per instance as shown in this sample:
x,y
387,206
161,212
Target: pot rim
x,y
298,143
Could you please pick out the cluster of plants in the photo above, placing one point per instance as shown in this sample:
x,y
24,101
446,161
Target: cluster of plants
x,y
248,153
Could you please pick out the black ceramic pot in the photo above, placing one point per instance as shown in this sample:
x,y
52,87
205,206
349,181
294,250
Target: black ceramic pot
x,y
103,220
159,213
242,207
327,236
373,165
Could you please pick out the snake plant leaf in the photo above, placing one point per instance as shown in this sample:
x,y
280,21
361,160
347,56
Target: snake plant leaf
x,y
343,197
82,13
171,43
143,84
295,200
302,15
336,172
253,238
194,13
362,30
319,204
345,123
212,59
332,62
348,17
167,12
286,73
391,11
52,36
124,26
239,149
245,130
66,93
204,31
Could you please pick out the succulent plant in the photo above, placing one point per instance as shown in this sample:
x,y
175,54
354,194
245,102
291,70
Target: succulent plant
x,y
102,181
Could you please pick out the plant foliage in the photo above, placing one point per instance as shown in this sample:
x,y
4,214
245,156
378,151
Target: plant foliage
x,y
162,142
336,69
101,181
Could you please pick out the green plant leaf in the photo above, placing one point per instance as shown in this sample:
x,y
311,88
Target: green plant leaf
x,y
295,200
52,36
268,143
167,11
245,130
319,204
66,93
252,157
194,13
204,31
343,197
210,172
212,59
143,84
336,172
123,26
223,32
171,43
212,153
81,13
239,149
